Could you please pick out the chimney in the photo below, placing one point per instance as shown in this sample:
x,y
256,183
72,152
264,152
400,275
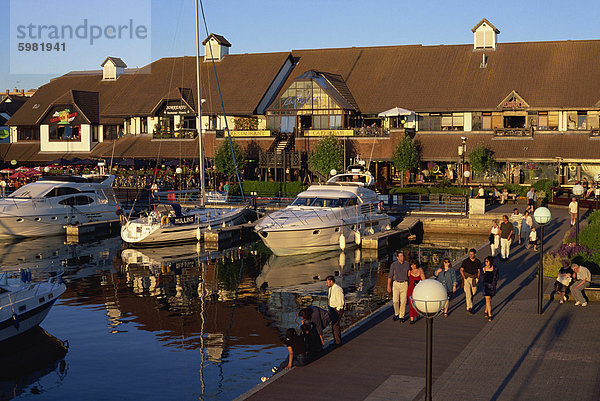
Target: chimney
x,y
483,61
7,91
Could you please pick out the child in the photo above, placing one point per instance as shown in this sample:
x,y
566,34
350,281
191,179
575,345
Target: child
x,y
533,239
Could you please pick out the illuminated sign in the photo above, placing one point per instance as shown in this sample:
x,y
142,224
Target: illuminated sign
x,y
327,132
249,133
63,117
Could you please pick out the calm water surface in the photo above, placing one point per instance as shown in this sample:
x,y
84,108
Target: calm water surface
x,y
180,322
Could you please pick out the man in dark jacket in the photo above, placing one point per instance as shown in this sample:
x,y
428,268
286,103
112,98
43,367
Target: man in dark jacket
x,y
320,317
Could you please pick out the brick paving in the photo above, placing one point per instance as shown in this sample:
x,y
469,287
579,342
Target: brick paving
x,y
518,356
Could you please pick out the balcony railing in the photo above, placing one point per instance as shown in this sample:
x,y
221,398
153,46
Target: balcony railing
x,y
514,132
279,160
182,134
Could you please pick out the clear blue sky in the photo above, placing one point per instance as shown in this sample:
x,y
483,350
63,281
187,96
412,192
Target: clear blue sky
x,y
270,26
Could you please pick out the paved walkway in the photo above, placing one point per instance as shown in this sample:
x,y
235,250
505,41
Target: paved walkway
x,y
518,356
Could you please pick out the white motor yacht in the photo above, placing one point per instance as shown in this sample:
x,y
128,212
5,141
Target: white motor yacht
x,y
24,304
170,223
42,208
325,216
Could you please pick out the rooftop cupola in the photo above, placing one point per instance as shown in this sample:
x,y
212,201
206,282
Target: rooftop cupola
x,y
112,68
485,35
215,47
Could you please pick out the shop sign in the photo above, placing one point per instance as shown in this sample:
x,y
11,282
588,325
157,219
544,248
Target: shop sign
x,y
513,104
327,132
63,117
250,133
176,109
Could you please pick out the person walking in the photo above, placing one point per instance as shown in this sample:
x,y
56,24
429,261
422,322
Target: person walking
x,y
398,285
335,300
415,274
531,200
533,241
470,270
506,233
584,277
494,237
3,188
490,281
516,219
447,276
526,225
320,318
573,211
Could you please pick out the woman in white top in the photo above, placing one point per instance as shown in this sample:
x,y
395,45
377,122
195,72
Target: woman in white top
x,y
495,231
573,211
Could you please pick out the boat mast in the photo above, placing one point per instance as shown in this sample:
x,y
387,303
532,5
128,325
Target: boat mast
x,y
199,113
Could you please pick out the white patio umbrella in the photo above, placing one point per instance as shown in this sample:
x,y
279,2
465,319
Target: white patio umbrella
x,y
396,111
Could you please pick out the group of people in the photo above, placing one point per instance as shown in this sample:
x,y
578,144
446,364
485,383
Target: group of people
x,y
517,229
308,345
573,279
404,276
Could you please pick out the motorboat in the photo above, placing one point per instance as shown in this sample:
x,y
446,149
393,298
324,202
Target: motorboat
x,y
326,216
23,303
170,223
44,207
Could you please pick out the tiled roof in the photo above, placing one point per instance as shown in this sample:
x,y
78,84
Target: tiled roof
x,y
542,147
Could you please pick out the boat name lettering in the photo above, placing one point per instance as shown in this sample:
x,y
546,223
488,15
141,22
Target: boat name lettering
x,y
183,220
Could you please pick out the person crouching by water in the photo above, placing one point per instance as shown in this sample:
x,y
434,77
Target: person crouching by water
x,y
312,340
447,276
415,274
297,352
320,318
490,281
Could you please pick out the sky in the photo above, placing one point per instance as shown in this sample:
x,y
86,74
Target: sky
x,y
256,26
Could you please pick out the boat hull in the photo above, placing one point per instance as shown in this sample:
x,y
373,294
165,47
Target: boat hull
x,y
316,239
160,235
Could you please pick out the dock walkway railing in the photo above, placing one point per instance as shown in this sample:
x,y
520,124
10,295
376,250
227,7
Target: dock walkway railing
x,y
433,203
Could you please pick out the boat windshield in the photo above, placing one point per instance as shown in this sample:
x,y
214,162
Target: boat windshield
x,y
323,202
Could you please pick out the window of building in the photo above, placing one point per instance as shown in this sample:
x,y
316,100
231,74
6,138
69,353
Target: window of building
x,y
476,121
110,132
189,123
582,122
514,121
320,122
497,120
454,121
167,124
273,123
486,121
335,122
543,120
553,120
288,123
95,133
28,133
143,125
65,133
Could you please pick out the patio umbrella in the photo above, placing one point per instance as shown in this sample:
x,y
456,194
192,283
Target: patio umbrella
x,y
85,162
22,168
18,174
74,161
174,162
7,171
132,163
395,112
32,172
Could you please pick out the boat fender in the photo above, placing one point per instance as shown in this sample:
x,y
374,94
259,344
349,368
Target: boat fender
x,y
342,260
164,220
371,231
209,228
198,234
223,224
342,242
357,237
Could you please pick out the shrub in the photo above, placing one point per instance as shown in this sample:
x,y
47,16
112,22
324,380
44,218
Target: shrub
x,y
273,188
428,190
544,188
552,264
594,217
568,250
590,236
569,237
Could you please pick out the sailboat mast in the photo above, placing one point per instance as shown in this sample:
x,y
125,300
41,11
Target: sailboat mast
x,y
199,113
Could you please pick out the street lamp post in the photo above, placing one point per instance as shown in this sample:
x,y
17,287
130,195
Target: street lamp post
x,y
428,299
578,190
541,216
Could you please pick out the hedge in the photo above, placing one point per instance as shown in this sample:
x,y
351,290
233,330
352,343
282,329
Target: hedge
x,y
273,188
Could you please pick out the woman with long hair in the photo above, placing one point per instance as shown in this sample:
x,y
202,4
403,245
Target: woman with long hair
x,y
490,281
447,276
415,274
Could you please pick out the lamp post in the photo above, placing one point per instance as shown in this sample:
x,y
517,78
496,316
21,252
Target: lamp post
x,y
428,299
541,216
578,190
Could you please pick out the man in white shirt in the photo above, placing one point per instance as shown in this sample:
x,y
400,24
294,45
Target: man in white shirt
x,y
573,211
335,298
3,188
583,281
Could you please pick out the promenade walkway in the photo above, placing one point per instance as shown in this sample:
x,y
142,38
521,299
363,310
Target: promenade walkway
x,y
518,356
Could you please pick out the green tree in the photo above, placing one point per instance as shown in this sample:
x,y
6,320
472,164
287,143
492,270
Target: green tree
x,y
327,155
224,160
482,160
406,156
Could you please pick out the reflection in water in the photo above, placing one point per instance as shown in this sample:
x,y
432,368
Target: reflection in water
x,y
214,317
31,362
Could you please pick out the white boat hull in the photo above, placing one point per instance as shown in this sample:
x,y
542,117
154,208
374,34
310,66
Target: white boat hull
x,y
141,232
315,239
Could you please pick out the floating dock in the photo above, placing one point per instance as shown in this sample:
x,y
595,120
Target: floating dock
x,y
220,237
90,231
403,232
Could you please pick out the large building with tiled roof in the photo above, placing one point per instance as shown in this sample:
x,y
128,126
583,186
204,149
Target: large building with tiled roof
x,y
535,104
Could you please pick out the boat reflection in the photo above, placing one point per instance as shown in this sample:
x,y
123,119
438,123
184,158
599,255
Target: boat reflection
x,y
32,362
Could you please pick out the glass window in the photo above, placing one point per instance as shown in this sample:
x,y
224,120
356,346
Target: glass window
x,y
335,122
582,120
28,133
553,120
60,191
435,122
486,121
77,201
476,121
65,133
288,123
543,120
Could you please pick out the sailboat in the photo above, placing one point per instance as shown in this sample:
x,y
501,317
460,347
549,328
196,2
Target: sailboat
x,y
168,223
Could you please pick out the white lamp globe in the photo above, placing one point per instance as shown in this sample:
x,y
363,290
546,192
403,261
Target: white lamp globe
x,y
429,297
101,164
46,169
333,172
467,173
178,170
578,190
542,215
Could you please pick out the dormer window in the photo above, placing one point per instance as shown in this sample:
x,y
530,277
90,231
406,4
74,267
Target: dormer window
x,y
112,68
215,47
485,35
